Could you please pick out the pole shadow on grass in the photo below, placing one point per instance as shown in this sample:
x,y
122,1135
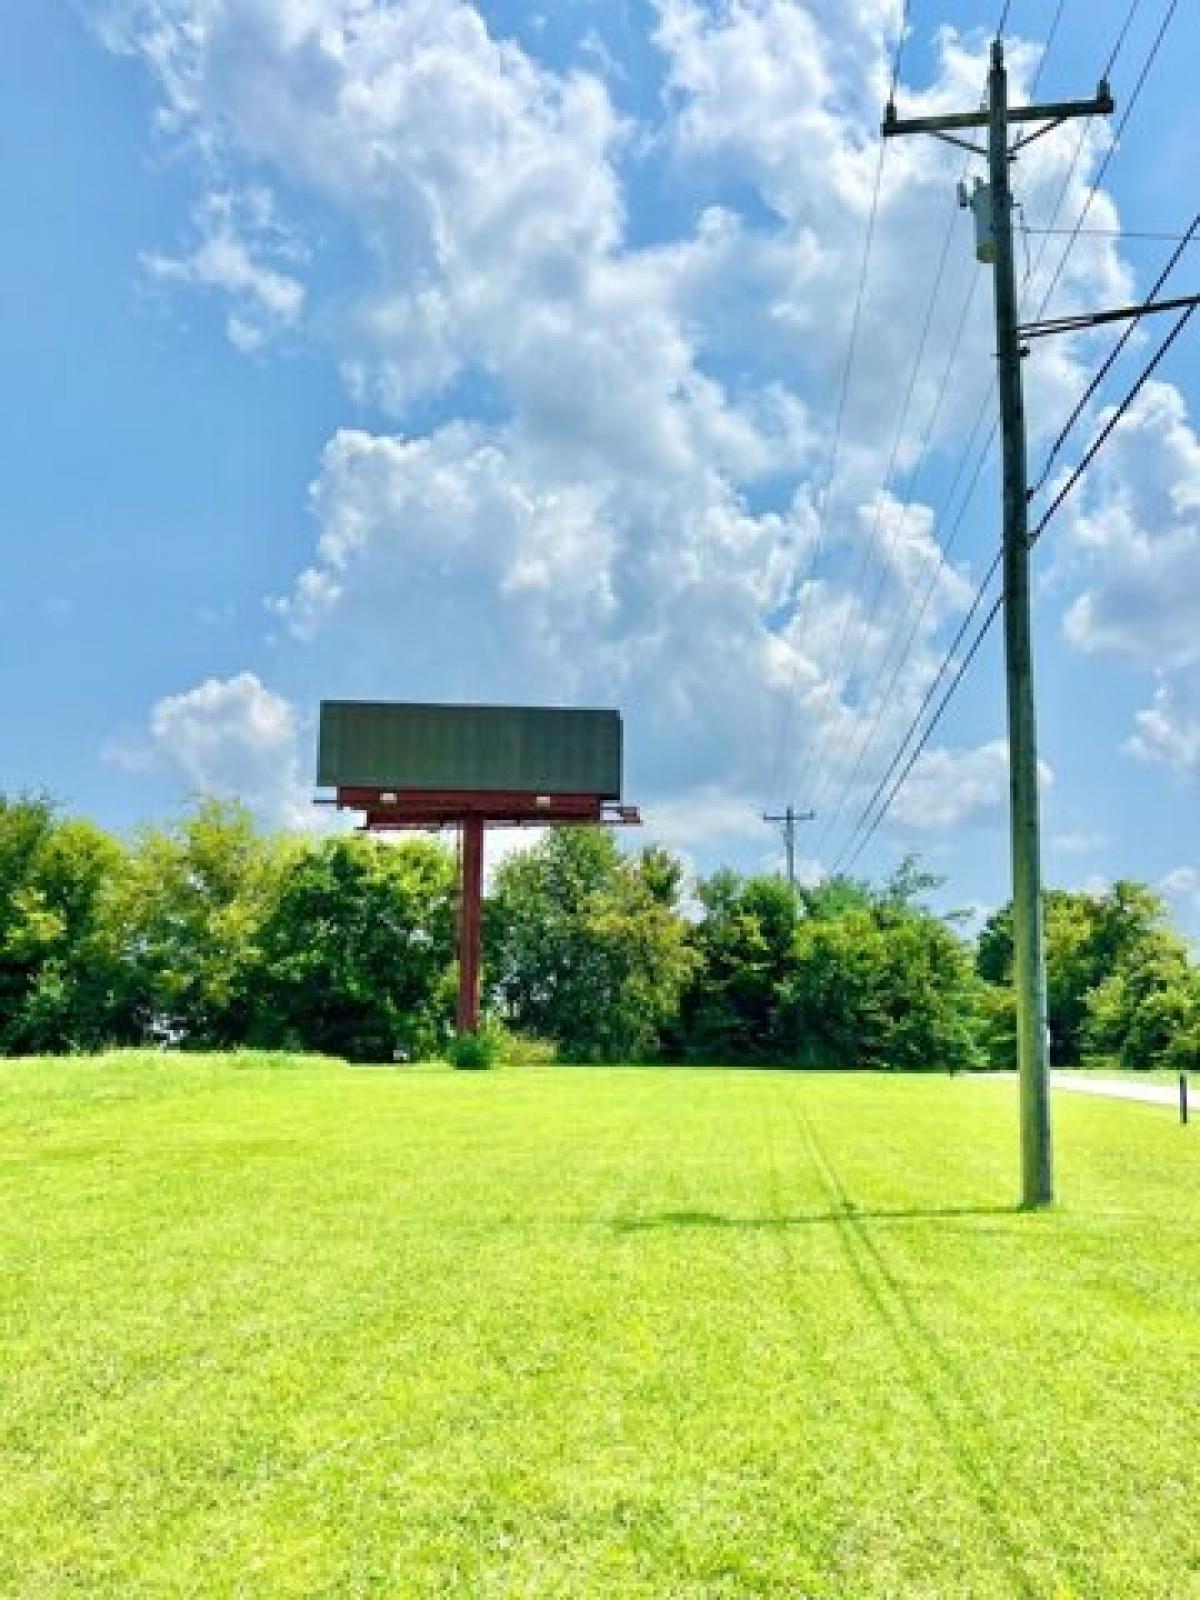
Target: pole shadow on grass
x,y
846,1213
944,1388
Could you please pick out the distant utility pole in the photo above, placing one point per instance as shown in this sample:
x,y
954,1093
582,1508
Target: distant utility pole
x,y
992,205
788,820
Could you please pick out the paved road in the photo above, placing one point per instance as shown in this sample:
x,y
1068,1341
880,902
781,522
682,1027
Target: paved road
x,y
1155,1094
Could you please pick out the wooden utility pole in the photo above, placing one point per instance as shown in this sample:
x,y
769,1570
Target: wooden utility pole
x,y
788,820
992,205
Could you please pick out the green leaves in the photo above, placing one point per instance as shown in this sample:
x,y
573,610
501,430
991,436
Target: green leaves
x,y
1120,985
842,976
209,934
886,987
53,875
585,947
356,950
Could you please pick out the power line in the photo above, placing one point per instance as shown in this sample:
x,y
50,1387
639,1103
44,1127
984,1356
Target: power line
x,y
821,506
942,554
994,210
915,721
1114,419
993,613
1106,161
1134,7
1106,367
1113,56
937,564
880,810
800,588
1081,144
873,539
1109,233
898,525
1051,35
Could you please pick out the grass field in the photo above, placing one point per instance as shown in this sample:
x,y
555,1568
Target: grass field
x,y
275,1329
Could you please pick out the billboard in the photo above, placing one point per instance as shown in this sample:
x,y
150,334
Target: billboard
x,y
544,750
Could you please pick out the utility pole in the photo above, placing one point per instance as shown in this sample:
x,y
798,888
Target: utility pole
x,y
992,205
788,819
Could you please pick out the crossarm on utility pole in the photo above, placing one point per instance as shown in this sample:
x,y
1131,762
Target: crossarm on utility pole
x,y
1054,111
789,819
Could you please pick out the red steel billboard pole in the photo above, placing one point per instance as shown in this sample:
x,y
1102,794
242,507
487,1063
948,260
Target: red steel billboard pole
x,y
472,812
470,925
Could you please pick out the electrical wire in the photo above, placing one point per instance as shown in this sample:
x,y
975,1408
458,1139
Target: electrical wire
x,y
1080,145
870,545
1051,35
877,808
915,722
801,587
1106,161
1074,234
902,778
1106,367
1110,233
1134,7
1146,372
937,564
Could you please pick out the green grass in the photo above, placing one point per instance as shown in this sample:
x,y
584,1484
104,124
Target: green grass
x,y
272,1329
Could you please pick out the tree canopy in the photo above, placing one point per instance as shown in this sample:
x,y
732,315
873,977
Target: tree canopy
x,y
585,946
1120,983
209,933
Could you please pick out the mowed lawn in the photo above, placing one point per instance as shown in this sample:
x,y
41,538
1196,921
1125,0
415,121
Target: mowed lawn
x,y
297,1329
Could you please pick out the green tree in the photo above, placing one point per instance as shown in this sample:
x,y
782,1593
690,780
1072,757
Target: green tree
x,y
355,954
180,928
730,1009
1093,942
55,991
1146,1013
24,826
585,947
885,987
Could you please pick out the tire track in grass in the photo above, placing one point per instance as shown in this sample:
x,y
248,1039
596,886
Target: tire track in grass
x,y
945,1396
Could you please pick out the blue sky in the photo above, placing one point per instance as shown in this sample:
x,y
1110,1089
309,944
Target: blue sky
x,y
414,350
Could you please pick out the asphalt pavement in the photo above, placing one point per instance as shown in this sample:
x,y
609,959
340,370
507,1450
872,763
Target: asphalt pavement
x,y
1154,1094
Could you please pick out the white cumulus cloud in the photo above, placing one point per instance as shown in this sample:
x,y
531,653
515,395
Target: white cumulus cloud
x,y
232,738
953,788
603,473
1168,731
239,240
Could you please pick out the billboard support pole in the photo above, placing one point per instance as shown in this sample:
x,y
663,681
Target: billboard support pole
x,y
470,924
405,765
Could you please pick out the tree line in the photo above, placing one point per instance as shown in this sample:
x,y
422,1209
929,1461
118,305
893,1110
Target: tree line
x,y
210,934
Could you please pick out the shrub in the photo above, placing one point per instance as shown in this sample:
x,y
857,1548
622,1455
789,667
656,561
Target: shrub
x,y
476,1052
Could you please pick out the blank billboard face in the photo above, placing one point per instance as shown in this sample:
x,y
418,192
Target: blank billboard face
x,y
497,749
